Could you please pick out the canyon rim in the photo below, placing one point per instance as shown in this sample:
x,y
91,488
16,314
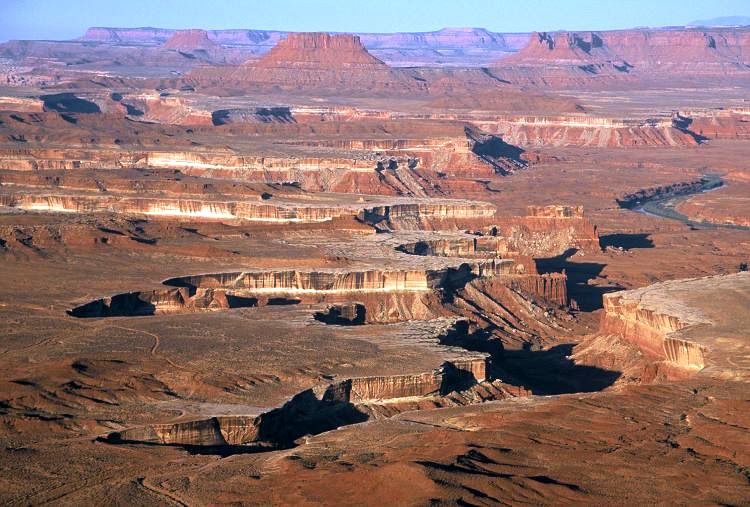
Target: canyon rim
x,y
458,266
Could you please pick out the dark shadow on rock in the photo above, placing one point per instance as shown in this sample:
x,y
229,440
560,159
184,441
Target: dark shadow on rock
x,y
626,241
479,340
682,123
305,414
281,301
222,451
278,114
547,372
588,297
347,314
220,117
68,103
241,301
128,304
493,150
456,379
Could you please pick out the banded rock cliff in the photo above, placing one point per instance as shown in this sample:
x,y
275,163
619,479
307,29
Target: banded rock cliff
x,y
546,231
407,214
580,130
684,322
351,401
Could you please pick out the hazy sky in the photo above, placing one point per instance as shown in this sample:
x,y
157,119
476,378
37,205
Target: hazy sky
x,y
66,19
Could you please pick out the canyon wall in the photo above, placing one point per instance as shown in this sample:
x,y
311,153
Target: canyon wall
x,y
320,409
546,231
551,287
560,131
653,329
481,247
153,302
187,208
418,216
408,166
319,281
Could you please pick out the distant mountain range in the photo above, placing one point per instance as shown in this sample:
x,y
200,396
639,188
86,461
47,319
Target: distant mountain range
x,y
722,21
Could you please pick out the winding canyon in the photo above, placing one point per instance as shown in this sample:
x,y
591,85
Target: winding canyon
x,y
451,267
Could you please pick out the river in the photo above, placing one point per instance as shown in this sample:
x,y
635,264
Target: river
x,y
665,206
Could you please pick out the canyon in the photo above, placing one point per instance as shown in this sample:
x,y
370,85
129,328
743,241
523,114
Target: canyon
x,y
248,266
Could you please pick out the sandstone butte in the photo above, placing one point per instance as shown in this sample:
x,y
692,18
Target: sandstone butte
x,y
190,40
322,61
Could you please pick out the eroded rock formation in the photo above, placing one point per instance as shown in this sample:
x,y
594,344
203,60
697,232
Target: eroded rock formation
x,y
680,322
597,59
314,61
190,40
585,130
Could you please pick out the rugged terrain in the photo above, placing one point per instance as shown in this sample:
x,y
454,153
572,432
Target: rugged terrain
x,y
245,266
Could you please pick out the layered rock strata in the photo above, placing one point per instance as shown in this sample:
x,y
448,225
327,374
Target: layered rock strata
x,y
404,215
154,302
680,322
580,130
546,231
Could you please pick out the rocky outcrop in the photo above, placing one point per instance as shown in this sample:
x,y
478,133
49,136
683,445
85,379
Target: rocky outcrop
x,y
579,130
680,188
510,311
409,165
550,287
314,281
344,314
691,325
546,231
21,104
420,216
320,409
729,123
449,46
313,61
402,214
488,247
625,57
190,40
653,328
153,302
143,35
169,110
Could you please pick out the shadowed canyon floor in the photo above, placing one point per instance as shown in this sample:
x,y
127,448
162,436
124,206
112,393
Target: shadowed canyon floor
x,y
459,267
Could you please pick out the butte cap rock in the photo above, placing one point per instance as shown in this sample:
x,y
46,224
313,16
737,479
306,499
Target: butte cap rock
x,y
190,40
324,63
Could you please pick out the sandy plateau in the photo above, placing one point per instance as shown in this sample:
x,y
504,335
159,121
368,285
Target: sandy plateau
x,y
456,267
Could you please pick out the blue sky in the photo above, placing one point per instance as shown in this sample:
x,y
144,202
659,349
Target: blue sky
x,y
65,19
